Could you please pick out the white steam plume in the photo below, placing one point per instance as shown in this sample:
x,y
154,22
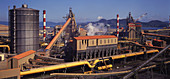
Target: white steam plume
x,y
96,29
99,17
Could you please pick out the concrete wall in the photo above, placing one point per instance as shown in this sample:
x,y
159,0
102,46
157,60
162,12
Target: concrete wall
x,y
12,63
3,65
10,73
25,60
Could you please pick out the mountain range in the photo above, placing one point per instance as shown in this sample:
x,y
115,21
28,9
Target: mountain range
x,y
111,22
123,22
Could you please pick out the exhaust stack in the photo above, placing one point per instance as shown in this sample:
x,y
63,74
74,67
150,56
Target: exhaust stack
x,y
44,25
117,25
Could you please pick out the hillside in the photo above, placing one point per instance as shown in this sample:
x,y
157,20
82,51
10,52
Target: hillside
x,y
111,22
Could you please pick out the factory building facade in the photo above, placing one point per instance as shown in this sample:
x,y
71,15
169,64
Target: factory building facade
x,y
89,47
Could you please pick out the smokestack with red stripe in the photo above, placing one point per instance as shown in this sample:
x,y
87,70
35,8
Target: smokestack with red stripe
x,y
117,25
44,25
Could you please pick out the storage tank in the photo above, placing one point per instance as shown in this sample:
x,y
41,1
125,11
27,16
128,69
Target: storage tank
x,y
24,29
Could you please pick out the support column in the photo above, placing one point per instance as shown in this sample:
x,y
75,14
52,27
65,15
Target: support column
x,y
99,53
87,54
82,54
91,53
110,51
107,52
114,51
103,52
77,57
95,54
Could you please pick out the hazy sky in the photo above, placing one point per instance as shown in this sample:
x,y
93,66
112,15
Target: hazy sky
x,y
92,10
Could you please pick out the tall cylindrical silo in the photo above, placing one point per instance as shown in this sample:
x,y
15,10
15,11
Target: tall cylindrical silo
x,y
24,29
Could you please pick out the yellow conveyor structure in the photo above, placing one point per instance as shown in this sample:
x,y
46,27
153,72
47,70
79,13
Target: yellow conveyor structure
x,y
79,63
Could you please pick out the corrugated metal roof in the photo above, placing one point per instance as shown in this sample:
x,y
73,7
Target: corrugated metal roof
x,y
94,37
22,55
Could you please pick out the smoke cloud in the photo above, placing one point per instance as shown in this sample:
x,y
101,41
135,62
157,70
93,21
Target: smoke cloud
x,y
96,29
99,17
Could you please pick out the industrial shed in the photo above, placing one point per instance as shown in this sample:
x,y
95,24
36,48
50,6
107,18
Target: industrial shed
x,y
23,58
89,47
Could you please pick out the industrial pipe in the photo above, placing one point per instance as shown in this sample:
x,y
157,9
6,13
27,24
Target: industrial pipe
x,y
105,67
6,46
99,74
78,63
151,34
132,54
149,60
60,66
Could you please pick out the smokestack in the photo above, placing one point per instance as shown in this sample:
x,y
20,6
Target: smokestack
x,y
44,25
117,25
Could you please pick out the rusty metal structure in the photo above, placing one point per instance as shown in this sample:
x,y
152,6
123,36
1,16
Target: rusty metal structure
x,y
71,31
133,30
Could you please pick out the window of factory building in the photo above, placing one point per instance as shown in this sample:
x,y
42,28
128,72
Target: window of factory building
x,y
115,40
100,41
105,41
93,42
108,41
111,40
